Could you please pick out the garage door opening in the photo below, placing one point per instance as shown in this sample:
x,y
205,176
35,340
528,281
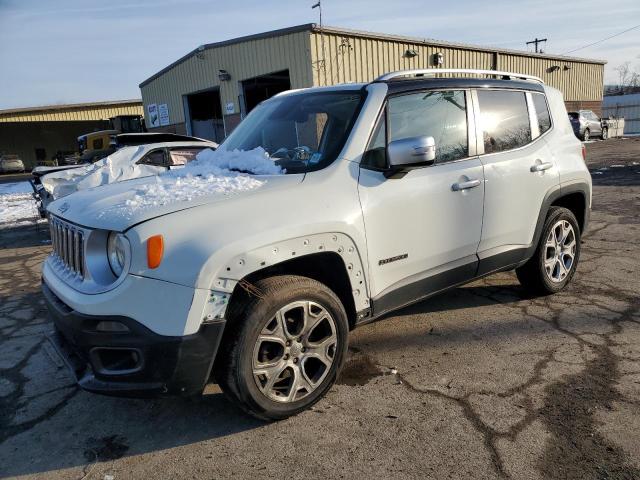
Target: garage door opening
x,y
260,88
205,115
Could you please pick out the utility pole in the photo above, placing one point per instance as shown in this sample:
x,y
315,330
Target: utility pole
x,y
536,42
320,63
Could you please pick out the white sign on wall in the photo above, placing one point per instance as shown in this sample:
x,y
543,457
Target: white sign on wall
x,y
230,108
163,113
153,119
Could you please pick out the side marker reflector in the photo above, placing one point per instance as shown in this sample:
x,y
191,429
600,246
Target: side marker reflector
x,y
155,249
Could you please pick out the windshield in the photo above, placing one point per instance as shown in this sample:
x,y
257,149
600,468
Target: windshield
x,y
300,132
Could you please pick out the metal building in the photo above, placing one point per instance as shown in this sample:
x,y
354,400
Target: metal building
x,y
207,92
36,134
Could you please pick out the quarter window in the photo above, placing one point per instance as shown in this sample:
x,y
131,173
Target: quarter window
x,y
376,155
441,115
504,120
542,112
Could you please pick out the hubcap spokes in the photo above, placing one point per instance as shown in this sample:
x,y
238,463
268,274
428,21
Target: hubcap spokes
x,y
294,351
560,251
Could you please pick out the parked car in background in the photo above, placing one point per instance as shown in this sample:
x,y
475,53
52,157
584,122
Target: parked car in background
x,y
124,164
11,164
325,209
587,124
92,156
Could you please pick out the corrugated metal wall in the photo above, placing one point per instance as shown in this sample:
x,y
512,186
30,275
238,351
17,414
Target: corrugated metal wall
x,y
581,82
73,114
242,60
627,106
358,59
361,59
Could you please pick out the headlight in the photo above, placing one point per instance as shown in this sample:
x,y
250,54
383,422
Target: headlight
x,y
117,252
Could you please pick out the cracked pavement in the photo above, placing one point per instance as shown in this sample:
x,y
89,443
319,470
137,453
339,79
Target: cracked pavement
x,y
480,382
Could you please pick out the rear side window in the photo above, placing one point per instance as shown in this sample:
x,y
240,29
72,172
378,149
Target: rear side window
x,y
182,156
438,114
542,112
504,120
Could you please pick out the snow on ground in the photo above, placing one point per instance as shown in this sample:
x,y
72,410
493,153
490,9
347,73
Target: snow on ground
x,y
17,204
212,172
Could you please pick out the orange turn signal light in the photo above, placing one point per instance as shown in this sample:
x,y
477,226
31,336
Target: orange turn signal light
x,y
155,249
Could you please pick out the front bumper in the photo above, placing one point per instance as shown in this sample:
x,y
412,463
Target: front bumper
x,y
133,363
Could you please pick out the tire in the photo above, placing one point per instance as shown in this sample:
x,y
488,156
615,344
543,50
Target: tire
x,y
586,135
546,272
256,365
605,133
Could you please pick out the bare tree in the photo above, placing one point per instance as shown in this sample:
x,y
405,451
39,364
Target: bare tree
x,y
628,79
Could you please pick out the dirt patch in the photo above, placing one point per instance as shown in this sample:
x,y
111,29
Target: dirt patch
x,y
105,448
577,450
358,369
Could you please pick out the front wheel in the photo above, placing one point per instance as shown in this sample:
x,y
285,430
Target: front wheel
x,y
284,347
556,257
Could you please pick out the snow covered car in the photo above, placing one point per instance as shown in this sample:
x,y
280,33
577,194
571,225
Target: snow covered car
x,y
124,164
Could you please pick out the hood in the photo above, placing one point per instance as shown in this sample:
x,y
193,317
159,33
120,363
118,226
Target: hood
x,y
118,206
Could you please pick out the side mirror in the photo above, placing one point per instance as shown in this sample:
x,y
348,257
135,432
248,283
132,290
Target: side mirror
x,y
411,152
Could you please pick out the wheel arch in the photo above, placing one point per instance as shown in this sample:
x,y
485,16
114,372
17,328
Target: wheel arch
x,y
331,258
575,197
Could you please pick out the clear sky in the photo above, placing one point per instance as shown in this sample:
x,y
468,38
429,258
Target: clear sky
x,y
65,51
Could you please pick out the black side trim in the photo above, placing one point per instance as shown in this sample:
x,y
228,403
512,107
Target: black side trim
x,y
421,289
501,261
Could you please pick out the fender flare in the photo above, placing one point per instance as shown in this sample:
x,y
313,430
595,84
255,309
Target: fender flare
x,y
560,191
240,266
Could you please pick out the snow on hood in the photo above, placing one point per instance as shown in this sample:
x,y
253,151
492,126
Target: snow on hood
x,y
211,176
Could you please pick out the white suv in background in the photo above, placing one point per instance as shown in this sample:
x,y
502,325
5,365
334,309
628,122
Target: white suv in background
x,y
325,209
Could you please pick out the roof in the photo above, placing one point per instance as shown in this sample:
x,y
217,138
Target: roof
x,y
70,106
313,27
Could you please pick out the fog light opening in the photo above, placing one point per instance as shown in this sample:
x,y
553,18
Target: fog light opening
x,y
116,360
111,327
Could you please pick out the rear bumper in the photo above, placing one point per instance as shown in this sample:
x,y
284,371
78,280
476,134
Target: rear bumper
x,y
133,363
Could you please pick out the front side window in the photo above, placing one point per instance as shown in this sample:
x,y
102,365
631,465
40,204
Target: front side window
x,y
542,112
504,120
438,114
300,132
155,158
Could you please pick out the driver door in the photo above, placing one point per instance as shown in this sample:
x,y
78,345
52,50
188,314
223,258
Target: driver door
x,y
422,230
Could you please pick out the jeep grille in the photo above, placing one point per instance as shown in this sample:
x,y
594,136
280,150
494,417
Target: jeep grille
x,y
68,244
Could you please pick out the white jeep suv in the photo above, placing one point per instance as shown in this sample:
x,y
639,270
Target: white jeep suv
x,y
374,196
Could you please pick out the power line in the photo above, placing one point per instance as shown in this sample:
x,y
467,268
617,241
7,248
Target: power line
x,y
600,41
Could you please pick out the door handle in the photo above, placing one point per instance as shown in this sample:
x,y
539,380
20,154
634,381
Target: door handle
x,y
540,167
457,187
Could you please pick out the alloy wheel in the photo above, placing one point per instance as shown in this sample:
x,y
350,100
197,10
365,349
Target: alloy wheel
x,y
560,251
294,352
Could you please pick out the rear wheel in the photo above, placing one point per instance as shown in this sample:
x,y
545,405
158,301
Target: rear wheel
x,y
284,347
556,258
605,133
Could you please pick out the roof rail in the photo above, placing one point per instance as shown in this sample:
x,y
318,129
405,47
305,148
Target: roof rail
x,y
436,71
